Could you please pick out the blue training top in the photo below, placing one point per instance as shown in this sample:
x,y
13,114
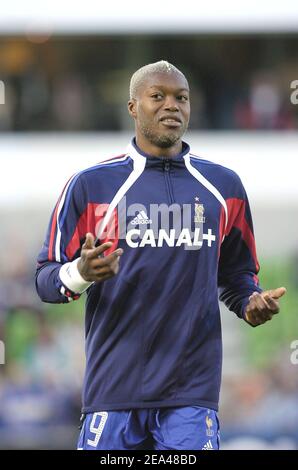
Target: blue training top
x,y
153,331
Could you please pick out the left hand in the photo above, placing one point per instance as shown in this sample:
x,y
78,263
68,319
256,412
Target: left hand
x,y
263,306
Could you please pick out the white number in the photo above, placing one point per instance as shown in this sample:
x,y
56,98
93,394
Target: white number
x,y
97,430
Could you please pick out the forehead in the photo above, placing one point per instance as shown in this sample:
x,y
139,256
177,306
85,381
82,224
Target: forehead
x,y
167,80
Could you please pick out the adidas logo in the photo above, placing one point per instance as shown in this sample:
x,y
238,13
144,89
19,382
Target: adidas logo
x,y
208,446
141,218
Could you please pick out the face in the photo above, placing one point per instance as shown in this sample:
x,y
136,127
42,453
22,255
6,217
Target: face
x,y
161,109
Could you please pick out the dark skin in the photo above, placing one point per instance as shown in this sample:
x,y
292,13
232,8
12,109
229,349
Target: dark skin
x,y
161,110
93,267
263,306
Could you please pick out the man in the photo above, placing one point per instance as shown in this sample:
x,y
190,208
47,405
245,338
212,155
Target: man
x,y
182,229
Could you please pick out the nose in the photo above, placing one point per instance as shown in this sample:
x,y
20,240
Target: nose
x,y
171,103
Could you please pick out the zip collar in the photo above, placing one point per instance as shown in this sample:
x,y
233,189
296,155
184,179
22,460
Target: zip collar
x,y
136,153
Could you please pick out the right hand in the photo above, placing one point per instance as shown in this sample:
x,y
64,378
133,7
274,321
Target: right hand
x,y
91,267
262,306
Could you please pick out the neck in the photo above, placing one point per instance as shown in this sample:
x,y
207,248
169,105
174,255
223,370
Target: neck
x,y
155,151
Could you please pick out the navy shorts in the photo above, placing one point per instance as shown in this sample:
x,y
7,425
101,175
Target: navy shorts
x,y
179,428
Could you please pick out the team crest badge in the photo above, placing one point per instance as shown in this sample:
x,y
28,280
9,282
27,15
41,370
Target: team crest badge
x,y
199,212
209,424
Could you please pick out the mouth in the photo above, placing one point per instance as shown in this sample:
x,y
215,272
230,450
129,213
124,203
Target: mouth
x,y
170,121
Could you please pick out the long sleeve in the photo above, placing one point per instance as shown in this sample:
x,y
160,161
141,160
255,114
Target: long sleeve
x,y
65,235
238,264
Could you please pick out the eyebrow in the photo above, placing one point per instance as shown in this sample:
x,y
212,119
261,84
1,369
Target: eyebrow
x,y
162,86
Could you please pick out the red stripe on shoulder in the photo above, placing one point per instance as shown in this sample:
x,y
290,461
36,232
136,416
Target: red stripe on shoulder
x,y
236,218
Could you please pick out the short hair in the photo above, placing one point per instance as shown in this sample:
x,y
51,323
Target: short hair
x,y
141,74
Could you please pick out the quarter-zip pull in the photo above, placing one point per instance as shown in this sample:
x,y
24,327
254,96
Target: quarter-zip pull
x,y
167,175
167,165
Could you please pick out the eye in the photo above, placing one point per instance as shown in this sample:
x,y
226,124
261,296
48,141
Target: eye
x,y
157,96
182,98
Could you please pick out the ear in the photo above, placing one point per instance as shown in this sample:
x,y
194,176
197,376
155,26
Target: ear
x,y
132,108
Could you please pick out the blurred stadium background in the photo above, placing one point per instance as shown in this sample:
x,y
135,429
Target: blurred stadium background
x,y
66,72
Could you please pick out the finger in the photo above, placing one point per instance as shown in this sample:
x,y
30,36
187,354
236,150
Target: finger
x,y
109,261
260,311
260,302
89,241
96,252
261,318
265,316
277,293
273,305
111,258
101,271
101,264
